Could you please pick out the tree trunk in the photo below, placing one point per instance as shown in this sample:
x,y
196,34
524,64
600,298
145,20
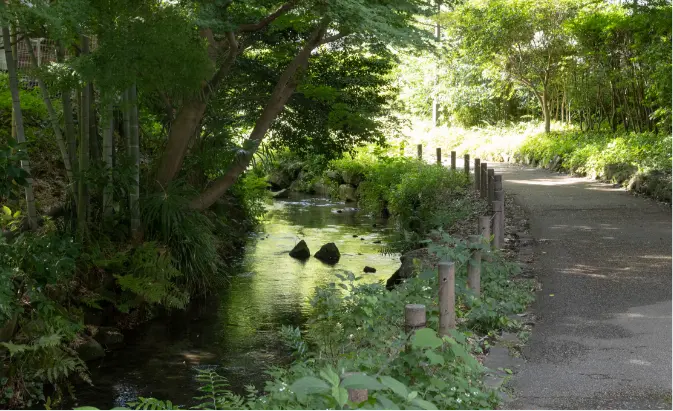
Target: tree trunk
x,y
68,122
83,193
94,143
545,111
108,147
183,128
20,136
281,93
53,117
134,153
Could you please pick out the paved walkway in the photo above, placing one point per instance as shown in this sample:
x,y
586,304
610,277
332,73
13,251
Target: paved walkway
x,y
603,336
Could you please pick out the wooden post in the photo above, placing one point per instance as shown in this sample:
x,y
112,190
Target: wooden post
x,y
490,186
447,297
500,196
466,163
497,225
453,160
420,151
414,317
356,395
477,174
485,233
483,190
439,156
497,182
474,265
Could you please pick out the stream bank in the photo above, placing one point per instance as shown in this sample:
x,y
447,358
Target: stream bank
x,y
235,331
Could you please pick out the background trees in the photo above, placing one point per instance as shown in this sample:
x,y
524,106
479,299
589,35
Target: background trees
x,y
595,65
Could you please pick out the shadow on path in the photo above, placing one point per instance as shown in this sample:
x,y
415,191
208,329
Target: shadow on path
x,y
603,256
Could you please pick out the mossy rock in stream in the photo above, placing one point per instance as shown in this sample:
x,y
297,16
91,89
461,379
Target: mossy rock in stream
x,y
300,251
328,253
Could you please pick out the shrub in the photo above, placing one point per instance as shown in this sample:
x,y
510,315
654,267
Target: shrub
x,y
37,322
188,234
419,196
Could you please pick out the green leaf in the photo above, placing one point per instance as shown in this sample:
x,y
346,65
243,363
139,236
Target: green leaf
x,y
426,338
396,386
423,404
87,408
340,395
361,381
329,375
309,385
386,403
434,358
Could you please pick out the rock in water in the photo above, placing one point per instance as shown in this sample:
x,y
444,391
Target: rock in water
x,y
90,350
284,193
347,192
301,251
109,337
329,253
369,269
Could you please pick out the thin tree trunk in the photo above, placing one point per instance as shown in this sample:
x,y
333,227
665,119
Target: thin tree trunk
x,y
68,122
281,93
20,136
94,143
134,153
545,111
83,194
53,117
14,53
108,147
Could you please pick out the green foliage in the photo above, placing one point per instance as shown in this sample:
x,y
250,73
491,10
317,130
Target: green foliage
x,y
38,323
188,234
419,196
151,277
13,176
590,153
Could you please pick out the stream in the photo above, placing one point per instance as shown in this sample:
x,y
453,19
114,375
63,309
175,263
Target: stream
x,y
235,331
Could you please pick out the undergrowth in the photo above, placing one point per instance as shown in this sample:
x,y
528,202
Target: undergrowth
x,y
355,338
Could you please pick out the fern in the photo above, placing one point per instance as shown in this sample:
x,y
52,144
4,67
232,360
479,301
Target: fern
x,y
151,276
144,403
218,396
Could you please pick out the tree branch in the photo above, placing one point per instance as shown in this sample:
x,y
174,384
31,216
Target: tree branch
x,y
246,28
333,38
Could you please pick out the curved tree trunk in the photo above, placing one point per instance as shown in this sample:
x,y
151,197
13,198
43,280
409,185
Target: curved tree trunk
x,y
284,88
20,136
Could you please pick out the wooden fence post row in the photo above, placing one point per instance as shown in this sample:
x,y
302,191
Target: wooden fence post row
x,y
466,164
439,156
420,151
453,160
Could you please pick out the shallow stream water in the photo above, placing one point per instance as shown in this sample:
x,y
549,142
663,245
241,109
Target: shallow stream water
x,y
235,331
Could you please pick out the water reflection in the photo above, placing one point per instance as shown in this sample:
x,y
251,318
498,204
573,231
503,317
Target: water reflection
x,y
236,332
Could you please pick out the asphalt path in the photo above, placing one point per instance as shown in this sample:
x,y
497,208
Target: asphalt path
x,y
603,332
